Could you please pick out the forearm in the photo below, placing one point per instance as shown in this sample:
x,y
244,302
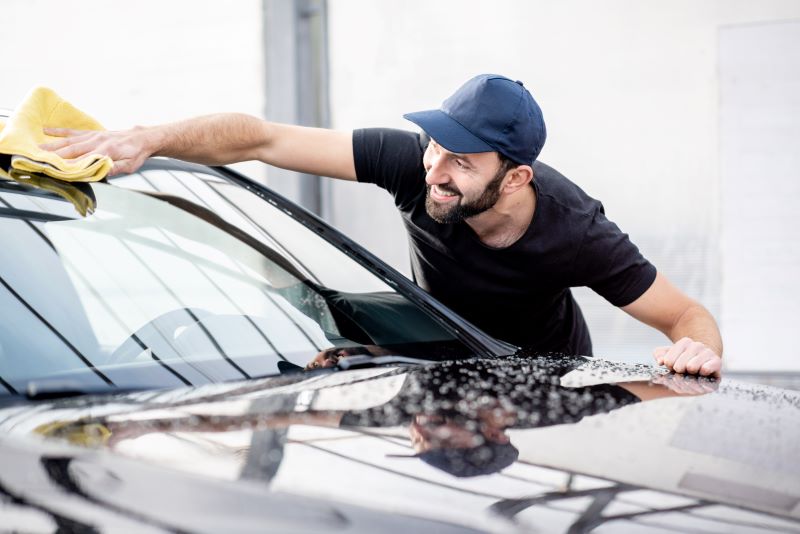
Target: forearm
x,y
698,324
211,139
216,140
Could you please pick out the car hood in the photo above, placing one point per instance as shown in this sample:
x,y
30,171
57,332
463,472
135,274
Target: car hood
x,y
492,444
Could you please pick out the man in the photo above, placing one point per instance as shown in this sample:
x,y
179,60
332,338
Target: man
x,y
494,234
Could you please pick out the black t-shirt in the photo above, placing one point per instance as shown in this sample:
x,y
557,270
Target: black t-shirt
x,y
520,293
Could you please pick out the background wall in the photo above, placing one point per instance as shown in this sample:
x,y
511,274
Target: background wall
x,y
142,62
631,95
631,91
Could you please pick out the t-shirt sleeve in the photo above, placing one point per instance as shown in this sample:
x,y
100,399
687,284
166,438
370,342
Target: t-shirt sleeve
x,y
610,264
392,160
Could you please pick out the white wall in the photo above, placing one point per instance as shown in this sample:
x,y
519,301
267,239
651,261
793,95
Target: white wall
x,y
142,62
759,170
629,90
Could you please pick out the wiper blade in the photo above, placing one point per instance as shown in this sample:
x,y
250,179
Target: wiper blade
x,y
45,389
363,361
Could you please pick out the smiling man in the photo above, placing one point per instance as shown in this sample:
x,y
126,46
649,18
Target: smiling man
x,y
494,234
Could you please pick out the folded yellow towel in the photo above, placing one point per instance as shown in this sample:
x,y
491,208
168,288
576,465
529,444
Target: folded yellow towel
x,y
22,134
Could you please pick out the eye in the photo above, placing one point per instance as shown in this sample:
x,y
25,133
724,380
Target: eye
x,y
460,164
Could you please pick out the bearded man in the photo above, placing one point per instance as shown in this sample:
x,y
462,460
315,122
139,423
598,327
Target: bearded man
x,y
494,234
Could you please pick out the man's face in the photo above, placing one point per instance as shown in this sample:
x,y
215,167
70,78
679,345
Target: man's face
x,y
430,432
460,186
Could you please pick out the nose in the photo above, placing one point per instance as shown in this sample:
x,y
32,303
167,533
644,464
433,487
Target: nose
x,y
436,172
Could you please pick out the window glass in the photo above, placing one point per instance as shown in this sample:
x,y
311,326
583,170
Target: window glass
x,y
193,280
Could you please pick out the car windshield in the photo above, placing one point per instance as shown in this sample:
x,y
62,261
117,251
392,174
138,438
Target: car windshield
x,y
179,276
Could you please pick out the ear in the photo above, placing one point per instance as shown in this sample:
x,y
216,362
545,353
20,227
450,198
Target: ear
x,y
496,435
517,178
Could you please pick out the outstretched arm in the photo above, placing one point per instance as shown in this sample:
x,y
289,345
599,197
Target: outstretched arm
x,y
697,347
216,140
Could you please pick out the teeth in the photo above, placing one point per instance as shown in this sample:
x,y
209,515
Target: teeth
x,y
443,193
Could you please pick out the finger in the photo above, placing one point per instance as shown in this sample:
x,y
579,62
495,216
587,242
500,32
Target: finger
x,y
674,351
693,366
680,365
61,143
120,167
712,367
65,132
78,149
658,354
690,352
123,166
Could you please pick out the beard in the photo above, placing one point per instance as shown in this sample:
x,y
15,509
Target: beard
x,y
446,214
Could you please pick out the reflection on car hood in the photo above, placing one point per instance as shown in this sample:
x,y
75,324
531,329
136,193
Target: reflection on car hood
x,y
548,443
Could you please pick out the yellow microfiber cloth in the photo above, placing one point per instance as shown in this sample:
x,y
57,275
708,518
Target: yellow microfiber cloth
x,y
22,134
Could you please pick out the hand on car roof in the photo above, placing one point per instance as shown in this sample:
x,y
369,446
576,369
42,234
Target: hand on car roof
x,y
690,357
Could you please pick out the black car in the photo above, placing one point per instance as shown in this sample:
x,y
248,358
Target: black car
x,y
183,350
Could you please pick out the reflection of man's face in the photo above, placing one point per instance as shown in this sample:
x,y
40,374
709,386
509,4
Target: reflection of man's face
x,y
330,357
327,358
430,432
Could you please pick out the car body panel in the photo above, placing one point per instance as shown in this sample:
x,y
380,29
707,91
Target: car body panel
x,y
671,456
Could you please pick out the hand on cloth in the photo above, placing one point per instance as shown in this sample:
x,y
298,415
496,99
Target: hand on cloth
x,y
124,148
688,356
22,135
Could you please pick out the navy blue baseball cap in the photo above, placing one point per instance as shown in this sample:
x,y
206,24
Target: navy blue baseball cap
x,y
483,459
489,113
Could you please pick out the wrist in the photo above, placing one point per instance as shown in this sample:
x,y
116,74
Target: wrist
x,y
150,139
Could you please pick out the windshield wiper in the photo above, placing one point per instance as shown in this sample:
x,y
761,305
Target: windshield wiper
x,y
44,389
364,362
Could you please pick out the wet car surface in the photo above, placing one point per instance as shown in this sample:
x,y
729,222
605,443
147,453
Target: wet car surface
x,y
183,350
555,444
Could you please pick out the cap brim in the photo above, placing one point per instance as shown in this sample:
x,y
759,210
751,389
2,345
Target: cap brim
x,y
448,132
288,367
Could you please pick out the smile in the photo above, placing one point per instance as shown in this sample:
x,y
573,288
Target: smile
x,y
442,196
